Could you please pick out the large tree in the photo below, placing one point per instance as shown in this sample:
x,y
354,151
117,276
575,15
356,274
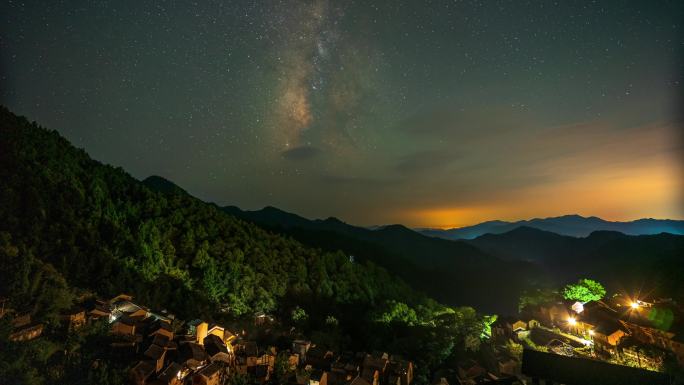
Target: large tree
x,y
585,290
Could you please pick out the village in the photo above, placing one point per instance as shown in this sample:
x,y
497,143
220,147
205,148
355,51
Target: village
x,y
202,353
622,332
633,338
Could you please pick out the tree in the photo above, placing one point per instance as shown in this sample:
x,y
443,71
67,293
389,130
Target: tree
x,y
331,321
299,315
585,290
395,311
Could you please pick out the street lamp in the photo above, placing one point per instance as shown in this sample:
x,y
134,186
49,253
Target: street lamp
x,y
634,305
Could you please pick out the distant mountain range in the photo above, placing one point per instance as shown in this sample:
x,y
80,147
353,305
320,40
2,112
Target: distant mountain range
x,y
571,225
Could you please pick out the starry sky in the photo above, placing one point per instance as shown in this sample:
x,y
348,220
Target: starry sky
x,y
427,113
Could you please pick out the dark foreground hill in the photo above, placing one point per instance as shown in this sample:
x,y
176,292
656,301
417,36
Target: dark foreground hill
x,y
572,225
652,263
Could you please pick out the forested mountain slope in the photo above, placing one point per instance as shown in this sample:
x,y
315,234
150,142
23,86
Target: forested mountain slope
x,y
66,216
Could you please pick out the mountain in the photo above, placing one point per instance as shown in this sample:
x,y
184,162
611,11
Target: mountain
x,y
453,272
653,263
572,225
163,185
71,223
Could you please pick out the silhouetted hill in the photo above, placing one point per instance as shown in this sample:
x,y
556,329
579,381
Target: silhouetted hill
x,y
163,185
572,225
454,272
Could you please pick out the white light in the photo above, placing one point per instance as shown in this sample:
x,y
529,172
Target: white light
x,y
591,332
635,305
572,321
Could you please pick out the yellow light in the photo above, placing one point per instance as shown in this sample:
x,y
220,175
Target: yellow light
x,y
591,332
635,305
572,321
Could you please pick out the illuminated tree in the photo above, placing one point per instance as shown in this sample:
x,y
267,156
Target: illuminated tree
x,y
299,315
395,311
585,290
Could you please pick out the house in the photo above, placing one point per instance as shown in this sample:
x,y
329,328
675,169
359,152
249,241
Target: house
x,y
160,327
319,358
124,325
348,365
217,330
293,361
552,314
268,358
209,375
508,366
318,377
102,310
260,373
21,320
74,318
518,325
156,355
637,354
677,347
216,349
250,351
360,381
164,342
229,338
192,355
300,347
262,318
4,309
373,367
469,371
601,325
26,333
399,371
125,344
335,377
642,330
142,372
121,298
171,375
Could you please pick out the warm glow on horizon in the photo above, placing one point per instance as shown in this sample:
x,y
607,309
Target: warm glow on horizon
x,y
618,193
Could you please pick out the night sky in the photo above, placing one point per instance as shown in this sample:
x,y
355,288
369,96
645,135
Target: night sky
x,y
428,113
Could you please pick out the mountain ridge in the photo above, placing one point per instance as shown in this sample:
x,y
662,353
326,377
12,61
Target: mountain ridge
x,y
572,225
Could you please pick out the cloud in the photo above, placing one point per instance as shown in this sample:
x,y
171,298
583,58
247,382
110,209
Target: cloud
x,y
301,153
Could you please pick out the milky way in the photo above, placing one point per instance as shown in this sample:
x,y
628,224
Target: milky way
x,y
430,113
